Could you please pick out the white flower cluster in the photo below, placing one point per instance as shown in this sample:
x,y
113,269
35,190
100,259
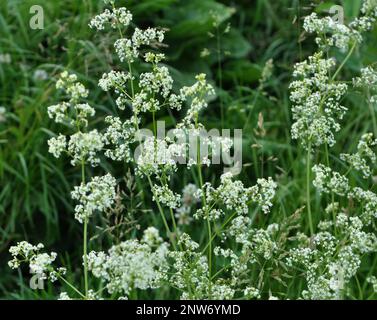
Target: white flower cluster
x,y
40,264
58,112
74,89
373,281
83,111
152,84
84,147
335,33
98,194
330,262
258,246
368,79
128,49
359,160
251,293
263,193
57,145
368,199
317,109
115,18
235,197
188,195
232,193
183,213
165,196
64,296
255,242
132,264
61,113
340,35
190,270
327,180
114,80
23,250
158,155
198,95
158,81
316,95
119,135
369,8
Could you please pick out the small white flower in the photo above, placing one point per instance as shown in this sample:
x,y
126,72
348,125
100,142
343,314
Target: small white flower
x,y
84,147
57,145
5,58
40,75
165,196
2,114
114,18
131,264
96,195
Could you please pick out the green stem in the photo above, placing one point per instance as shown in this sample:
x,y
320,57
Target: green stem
x,y
85,239
207,213
248,118
85,256
332,192
220,71
344,62
168,231
372,112
71,286
165,182
308,200
132,81
217,232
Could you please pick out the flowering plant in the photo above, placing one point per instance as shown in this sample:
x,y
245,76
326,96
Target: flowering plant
x,y
233,259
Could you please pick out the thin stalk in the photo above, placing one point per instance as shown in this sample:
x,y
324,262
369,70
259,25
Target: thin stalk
x,y
332,192
168,231
132,80
165,182
344,62
150,183
221,228
207,213
154,123
308,199
72,286
372,113
208,224
85,256
85,239
256,96
220,71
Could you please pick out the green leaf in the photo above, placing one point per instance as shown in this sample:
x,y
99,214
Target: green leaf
x,y
196,17
242,71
